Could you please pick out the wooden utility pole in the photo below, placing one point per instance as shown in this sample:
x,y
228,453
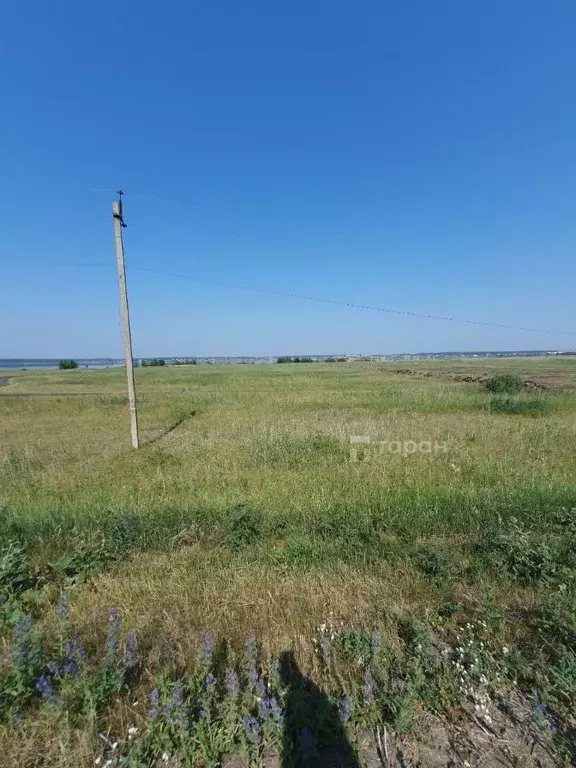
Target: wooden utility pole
x,y
118,225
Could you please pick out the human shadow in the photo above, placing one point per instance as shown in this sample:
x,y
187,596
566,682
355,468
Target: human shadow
x,y
313,734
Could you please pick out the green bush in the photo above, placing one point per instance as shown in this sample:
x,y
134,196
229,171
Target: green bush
x,y
67,365
244,526
533,406
438,563
155,362
288,359
504,382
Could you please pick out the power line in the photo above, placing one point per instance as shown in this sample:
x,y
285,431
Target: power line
x,y
344,303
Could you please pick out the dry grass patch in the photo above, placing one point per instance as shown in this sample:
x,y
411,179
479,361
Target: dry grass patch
x,y
171,599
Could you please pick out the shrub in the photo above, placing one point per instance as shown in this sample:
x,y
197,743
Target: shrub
x,y
67,365
288,359
534,406
155,362
244,526
504,382
438,563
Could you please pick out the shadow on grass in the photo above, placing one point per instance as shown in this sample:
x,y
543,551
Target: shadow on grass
x,y
313,733
180,420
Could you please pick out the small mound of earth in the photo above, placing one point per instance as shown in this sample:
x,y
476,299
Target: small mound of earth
x,y
466,378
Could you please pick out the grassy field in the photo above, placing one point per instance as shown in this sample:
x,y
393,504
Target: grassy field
x,y
446,535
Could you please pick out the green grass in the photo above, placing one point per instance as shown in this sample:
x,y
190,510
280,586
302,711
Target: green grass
x,y
525,406
243,511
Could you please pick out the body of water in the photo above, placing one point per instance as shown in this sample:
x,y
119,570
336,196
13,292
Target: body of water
x,y
92,362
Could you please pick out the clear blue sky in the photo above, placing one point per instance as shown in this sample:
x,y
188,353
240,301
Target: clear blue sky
x,y
409,154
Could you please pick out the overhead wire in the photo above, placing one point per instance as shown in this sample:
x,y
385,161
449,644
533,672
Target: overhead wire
x,y
342,303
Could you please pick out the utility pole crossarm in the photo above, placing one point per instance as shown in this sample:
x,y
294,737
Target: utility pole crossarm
x,y
118,225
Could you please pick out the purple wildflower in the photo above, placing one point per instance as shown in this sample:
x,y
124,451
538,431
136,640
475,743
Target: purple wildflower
x,y
249,659
112,635
368,685
63,607
177,695
325,650
252,729
210,683
232,684
21,633
345,709
270,711
154,710
44,688
208,647
130,658
74,653
175,710
256,684
249,656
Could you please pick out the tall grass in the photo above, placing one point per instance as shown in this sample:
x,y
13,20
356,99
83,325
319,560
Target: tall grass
x,y
244,513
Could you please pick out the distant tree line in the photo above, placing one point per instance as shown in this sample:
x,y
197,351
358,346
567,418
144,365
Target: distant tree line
x,y
155,362
288,359
67,365
285,359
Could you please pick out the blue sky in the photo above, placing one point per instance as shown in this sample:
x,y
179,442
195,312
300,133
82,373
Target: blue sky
x,y
410,154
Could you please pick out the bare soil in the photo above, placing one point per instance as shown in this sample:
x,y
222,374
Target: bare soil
x,y
546,381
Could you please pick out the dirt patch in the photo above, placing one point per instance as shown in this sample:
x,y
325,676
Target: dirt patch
x,y
529,384
509,739
4,381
